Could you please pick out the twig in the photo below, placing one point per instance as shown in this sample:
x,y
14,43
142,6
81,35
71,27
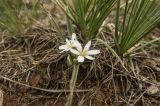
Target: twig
x,y
42,89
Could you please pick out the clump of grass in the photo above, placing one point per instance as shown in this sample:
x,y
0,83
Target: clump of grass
x,y
87,15
139,18
15,16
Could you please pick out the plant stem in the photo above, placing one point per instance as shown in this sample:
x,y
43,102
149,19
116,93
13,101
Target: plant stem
x,y
72,84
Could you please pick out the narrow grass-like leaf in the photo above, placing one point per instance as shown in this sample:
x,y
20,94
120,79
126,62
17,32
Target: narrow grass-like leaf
x,y
140,17
11,17
142,46
114,53
56,27
87,15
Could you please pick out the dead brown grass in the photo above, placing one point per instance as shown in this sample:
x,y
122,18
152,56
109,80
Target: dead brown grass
x,y
33,70
34,73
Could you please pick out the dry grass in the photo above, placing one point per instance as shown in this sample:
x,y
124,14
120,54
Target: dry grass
x,y
34,73
32,66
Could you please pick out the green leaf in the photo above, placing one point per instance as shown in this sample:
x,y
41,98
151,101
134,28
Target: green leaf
x,y
139,18
87,15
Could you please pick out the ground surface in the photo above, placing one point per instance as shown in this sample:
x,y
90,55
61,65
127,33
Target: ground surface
x,y
34,73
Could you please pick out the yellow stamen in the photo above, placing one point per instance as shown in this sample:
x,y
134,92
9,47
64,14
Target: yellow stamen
x,y
83,53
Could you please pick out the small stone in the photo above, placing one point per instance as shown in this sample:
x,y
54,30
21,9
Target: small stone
x,y
153,90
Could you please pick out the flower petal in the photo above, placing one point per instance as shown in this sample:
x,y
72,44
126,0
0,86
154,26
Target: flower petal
x,y
62,47
78,46
93,52
80,59
73,37
68,42
74,51
87,46
63,51
89,57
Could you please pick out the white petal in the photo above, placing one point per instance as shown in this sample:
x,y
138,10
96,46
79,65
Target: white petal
x,y
80,59
87,46
89,57
78,46
75,43
93,52
74,37
63,51
68,42
74,51
63,47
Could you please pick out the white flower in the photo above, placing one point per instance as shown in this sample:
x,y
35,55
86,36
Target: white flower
x,y
84,53
69,44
